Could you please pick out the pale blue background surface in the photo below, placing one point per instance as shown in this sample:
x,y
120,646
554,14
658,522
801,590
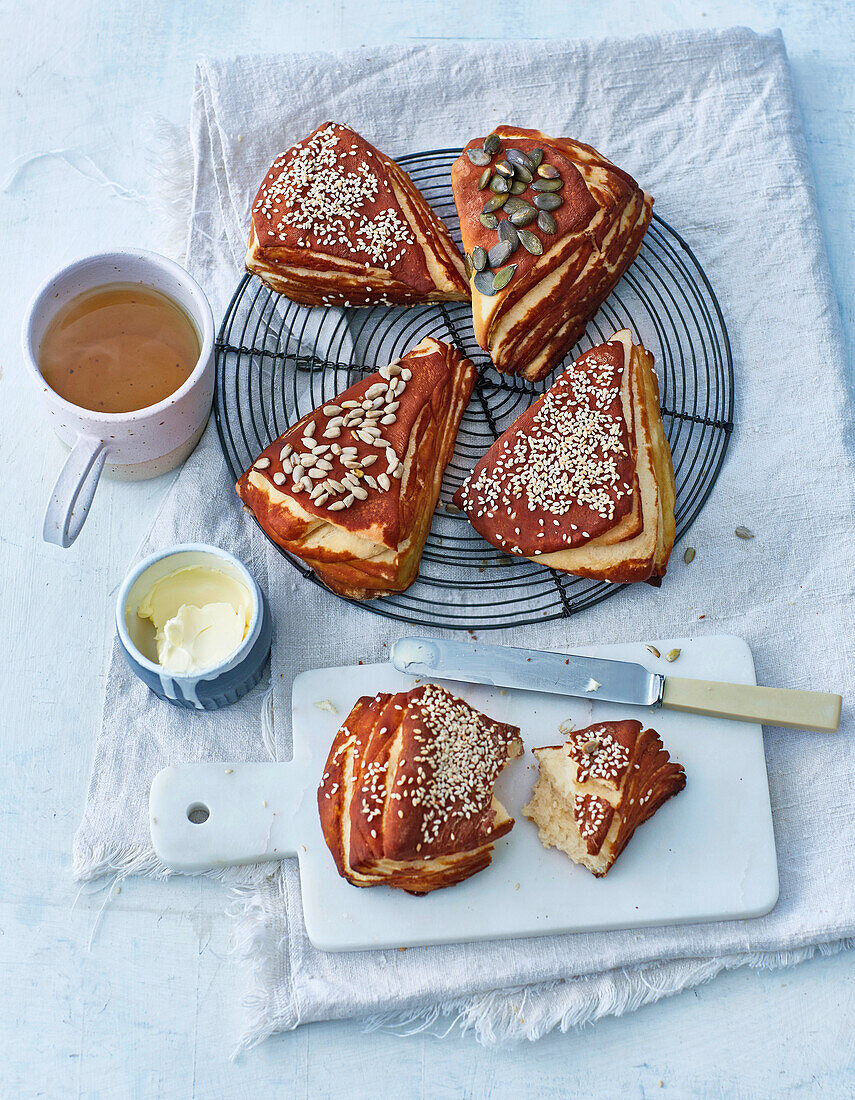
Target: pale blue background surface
x,y
152,1008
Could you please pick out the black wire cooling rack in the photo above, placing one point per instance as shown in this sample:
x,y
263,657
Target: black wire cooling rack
x,y
277,360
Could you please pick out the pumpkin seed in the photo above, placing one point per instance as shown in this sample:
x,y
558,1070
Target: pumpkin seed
x,y
536,157
503,277
530,242
652,649
523,174
508,233
689,555
548,172
484,283
548,202
514,205
503,168
591,745
499,185
478,157
517,187
523,217
499,253
486,176
672,654
495,202
492,144
546,222
518,157
743,533
488,220
479,258
547,185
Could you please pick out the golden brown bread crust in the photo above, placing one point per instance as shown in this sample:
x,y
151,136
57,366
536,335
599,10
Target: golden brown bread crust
x,y
364,537
583,481
406,798
337,222
530,325
594,791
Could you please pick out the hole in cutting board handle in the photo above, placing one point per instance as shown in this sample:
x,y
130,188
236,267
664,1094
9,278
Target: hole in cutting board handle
x,y
198,813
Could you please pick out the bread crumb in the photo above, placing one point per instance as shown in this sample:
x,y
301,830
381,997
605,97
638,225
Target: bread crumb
x,y
325,704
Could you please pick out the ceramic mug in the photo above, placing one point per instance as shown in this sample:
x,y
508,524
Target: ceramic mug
x,y
129,446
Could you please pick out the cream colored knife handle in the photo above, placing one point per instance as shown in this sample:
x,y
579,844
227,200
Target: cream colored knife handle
x,y
808,710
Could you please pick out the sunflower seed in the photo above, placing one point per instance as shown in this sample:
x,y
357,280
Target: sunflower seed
x,y
350,404
332,410
499,185
546,222
478,157
390,418
262,463
518,157
522,174
508,233
335,449
504,169
479,258
740,532
320,448
672,654
286,450
296,487
315,473
370,480
278,479
484,178
567,726
517,187
369,459
548,172
406,374
333,485
536,157
384,482
336,506
394,369
548,202
359,492
489,221
652,649
499,254
398,472
307,460
348,500
323,464
335,422
492,144
484,283
494,203
322,499
530,242
689,554
380,442
309,429
287,466
503,277
523,217
547,185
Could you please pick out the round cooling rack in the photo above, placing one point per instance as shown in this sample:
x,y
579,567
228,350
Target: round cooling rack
x,y
277,360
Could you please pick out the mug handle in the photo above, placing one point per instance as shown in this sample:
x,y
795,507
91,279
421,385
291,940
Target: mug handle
x,y
72,494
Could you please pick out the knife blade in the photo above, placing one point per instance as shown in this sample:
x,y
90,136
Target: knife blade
x,y
614,681
532,670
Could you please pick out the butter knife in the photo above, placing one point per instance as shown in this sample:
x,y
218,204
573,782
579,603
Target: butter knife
x,y
615,682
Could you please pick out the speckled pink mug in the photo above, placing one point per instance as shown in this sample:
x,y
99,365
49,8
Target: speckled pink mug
x,y
130,446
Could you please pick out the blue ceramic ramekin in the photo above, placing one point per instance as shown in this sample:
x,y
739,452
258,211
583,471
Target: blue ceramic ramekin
x,y
211,688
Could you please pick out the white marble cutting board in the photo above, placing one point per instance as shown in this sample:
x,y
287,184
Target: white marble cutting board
x,y
708,854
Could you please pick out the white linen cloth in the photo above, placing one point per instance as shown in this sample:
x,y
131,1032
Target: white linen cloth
x,y
707,123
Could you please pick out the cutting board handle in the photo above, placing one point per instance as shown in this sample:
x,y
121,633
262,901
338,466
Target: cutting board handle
x,y
209,815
